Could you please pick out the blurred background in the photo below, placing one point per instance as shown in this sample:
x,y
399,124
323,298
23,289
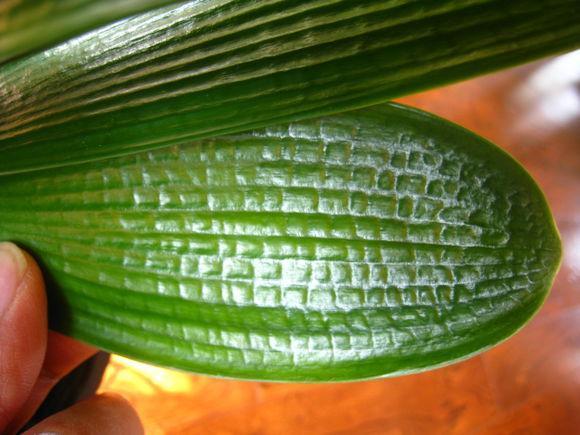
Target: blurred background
x,y
528,385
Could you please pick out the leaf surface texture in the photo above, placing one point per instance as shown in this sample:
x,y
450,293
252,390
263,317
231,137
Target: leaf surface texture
x,y
207,68
29,25
371,243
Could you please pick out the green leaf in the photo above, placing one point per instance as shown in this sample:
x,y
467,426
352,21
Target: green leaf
x,y
371,243
218,67
29,25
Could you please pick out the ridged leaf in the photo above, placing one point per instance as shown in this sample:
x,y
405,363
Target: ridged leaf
x,y
29,25
365,244
217,66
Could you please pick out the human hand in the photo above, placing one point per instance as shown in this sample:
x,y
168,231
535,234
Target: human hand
x,y
33,360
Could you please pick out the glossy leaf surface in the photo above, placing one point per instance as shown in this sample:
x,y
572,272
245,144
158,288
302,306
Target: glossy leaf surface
x,y
29,25
214,67
370,243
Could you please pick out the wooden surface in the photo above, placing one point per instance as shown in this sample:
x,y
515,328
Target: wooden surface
x,y
528,385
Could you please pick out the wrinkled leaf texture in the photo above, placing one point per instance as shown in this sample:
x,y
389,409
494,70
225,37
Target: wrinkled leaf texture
x,y
371,243
29,25
213,67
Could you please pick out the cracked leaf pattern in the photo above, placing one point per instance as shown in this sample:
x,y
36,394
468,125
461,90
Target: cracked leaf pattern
x,y
371,243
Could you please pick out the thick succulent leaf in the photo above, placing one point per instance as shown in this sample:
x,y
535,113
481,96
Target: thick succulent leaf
x,y
29,25
217,66
370,243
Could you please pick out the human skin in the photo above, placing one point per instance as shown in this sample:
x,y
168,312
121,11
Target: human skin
x,y
33,359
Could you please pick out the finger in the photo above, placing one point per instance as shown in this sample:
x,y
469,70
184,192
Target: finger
x,y
23,329
103,414
63,354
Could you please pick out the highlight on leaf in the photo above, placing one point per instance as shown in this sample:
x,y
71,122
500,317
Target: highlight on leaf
x,y
371,243
29,25
206,68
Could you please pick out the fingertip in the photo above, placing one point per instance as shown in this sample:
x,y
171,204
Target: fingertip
x,y
106,413
13,268
23,328
123,410
63,354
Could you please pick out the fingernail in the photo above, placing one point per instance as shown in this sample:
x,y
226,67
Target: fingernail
x,y
13,265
